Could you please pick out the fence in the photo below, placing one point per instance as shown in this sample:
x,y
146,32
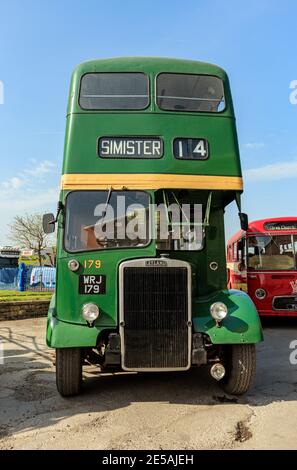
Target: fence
x,y
37,278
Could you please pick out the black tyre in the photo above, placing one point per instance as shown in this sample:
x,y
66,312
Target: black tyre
x,y
240,368
68,371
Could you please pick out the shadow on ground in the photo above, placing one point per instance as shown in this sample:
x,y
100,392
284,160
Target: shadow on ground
x,y
29,399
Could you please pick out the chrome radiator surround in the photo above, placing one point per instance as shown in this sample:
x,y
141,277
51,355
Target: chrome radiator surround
x,y
145,265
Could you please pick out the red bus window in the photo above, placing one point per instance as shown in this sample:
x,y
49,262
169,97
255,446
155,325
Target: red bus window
x,y
235,251
271,252
228,253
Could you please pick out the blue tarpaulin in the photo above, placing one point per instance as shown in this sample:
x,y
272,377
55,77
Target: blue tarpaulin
x,y
8,278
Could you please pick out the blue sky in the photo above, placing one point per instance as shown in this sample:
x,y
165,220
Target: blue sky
x,y
41,41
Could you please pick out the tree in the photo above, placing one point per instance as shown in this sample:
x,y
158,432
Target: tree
x,y
28,233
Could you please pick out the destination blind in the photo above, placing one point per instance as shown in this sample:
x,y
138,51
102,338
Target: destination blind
x,y
130,147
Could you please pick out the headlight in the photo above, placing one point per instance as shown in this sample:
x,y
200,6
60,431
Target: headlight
x,y
90,312
260,293
218,311
73,265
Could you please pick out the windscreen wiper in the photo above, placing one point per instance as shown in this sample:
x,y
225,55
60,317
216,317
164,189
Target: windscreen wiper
x,y
104,212
106,203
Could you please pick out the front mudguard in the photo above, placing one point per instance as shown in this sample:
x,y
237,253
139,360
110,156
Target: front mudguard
x,y
241,325
61,334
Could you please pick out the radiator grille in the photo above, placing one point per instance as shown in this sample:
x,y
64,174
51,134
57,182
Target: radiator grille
x,y
155,312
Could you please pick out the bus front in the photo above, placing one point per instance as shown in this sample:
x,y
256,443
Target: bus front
x,y
150,163
272,266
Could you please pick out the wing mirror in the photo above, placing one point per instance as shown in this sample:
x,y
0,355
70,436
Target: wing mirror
x,y
48,223
49,220
244,221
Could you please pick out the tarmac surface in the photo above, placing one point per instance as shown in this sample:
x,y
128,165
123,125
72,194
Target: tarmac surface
x,y
145,411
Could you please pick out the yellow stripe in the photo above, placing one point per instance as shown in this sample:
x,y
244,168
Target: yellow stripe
x,y
149,181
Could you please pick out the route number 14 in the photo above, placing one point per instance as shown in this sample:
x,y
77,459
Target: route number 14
x,y
191,149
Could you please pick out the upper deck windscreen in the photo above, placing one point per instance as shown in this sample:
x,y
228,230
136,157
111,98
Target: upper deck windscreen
x,y
108,91
185,92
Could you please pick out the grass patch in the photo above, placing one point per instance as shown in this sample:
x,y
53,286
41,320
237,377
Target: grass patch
x,y
15,296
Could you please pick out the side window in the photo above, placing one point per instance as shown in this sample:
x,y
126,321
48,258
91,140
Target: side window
x,y
241,252
229,253
295,247
235,251
252,250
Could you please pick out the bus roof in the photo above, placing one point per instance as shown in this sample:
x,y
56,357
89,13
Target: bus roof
x,y
149,64
271,225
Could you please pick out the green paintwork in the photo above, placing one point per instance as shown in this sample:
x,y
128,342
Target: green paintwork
x,y
85,127
242,324
61,334
219,131
66,327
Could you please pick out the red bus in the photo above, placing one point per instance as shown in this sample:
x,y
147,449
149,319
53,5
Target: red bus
x,y
263,262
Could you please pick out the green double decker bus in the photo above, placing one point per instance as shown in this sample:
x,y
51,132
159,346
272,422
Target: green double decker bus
x,y
151,161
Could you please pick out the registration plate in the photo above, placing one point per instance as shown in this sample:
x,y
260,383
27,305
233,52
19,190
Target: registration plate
x,y
92,284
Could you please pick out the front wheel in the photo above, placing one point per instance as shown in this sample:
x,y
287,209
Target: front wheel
x,y
68,371
240,368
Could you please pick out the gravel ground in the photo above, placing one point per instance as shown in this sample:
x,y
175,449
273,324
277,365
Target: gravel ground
x,y
144,411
